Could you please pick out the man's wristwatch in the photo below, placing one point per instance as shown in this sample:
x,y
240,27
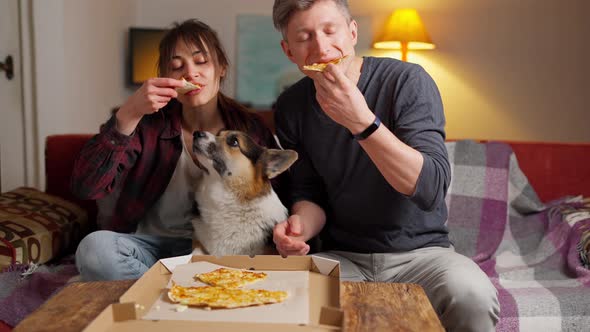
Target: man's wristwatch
x,y
370,129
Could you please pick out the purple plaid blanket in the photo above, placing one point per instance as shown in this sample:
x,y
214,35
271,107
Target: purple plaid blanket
x,y
534,253
23,288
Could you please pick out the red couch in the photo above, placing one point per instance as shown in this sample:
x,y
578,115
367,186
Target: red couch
x,y
553,169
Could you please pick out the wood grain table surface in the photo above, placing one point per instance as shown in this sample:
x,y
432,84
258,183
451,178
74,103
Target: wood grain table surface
x,y
386,307
366,307
75,306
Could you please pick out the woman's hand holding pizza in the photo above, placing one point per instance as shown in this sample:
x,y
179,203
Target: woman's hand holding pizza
x,y
154,94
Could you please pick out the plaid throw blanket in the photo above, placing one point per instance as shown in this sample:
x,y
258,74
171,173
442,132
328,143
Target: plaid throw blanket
x,y
23,288
533,253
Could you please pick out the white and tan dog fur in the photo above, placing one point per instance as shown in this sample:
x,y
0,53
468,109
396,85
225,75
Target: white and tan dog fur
x,y
237,205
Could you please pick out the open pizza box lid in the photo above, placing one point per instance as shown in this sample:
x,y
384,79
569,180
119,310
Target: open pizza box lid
x,y
323,296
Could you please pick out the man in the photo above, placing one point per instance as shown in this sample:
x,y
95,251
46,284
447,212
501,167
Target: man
x,y
373,169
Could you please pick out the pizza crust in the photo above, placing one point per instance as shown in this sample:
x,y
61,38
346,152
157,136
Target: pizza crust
x,y
188,86
230,278
223,298
224,290
322,66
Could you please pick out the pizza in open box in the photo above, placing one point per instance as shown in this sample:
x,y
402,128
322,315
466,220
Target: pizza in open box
x,y
223,298
230,278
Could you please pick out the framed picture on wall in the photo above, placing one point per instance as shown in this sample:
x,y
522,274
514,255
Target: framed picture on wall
x,y
143,54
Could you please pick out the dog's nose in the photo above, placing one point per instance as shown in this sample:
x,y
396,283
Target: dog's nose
x,y
199,134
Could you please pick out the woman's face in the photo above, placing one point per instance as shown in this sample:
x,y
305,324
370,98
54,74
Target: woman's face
x,y
198,67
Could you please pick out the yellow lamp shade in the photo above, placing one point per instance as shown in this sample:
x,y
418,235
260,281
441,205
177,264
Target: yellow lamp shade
x,y
404,30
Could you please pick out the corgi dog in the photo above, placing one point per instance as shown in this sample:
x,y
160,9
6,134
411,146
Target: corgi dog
x,y
237,205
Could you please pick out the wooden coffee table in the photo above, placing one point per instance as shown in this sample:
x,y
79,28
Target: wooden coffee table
x,y
366,307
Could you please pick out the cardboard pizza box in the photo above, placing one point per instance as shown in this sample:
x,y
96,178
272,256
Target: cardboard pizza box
x,y
323,287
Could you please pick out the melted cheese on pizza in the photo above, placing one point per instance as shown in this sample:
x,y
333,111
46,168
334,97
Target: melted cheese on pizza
x,y
188,86
322,66
230,278
223,298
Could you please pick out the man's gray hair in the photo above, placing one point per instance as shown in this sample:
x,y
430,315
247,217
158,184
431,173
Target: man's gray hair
x,y
282,10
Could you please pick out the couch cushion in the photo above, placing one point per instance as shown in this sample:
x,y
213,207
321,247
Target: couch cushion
x,y
36,227
61,152
530,251
486,187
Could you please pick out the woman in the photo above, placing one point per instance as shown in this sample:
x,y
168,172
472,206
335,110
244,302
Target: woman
x,y
140,166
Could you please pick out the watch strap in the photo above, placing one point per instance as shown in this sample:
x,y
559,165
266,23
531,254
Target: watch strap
x,y
369,130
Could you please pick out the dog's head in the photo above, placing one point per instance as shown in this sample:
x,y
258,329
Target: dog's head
x,y
239,162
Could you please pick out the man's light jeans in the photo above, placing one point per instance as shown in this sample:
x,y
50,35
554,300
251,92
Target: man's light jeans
x,y
461,294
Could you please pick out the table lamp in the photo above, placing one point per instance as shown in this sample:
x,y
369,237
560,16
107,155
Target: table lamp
x,y
404,30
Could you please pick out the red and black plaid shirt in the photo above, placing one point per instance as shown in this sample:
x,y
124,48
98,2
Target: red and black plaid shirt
x,y
141,165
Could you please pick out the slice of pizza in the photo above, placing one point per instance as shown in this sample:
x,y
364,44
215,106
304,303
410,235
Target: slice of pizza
x,y
223,298
230,278
188,86
322,66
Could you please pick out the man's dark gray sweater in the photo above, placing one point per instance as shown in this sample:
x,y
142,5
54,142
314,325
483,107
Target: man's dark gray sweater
x,y
364,212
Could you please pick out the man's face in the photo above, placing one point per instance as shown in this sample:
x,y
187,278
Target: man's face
x,y
318,35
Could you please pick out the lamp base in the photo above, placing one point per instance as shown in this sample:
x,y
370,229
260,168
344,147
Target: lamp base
x,y
404,51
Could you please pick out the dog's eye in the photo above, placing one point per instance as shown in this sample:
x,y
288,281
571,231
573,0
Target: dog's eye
x,y
233,141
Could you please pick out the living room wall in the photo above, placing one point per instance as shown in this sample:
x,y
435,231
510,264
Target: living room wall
x,y
506,69
510,70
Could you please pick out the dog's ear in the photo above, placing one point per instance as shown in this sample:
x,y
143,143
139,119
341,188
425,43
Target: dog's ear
x,y
275,162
